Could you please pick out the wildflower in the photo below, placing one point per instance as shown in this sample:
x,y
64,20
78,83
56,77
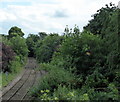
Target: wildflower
x,y
42,91
85,97
44,94
56,98
88,53
47,91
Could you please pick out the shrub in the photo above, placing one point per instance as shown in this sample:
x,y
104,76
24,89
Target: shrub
x,y
49,45
31,42
7,55
83,52
63,93
54,77
15,65
96,80
20,47
66,93
109,94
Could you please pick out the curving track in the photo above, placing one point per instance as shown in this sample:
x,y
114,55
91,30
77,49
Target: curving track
x,y
19,91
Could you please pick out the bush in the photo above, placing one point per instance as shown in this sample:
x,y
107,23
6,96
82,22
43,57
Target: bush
x,y
15,68
20,47
31,42
66,93
83,52
96,80
7,55
109,94
49,45
63,93
15,65
54,77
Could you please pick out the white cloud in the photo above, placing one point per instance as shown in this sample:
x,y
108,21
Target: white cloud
x,y
41,15
4,15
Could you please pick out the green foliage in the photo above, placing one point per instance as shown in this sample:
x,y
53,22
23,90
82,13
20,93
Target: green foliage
x,y
15,68
83,51
101,20
7,54
15,31
66,93
6,79
80,66
20,47
63,93
69,32
5,40
109,94
15,65
108,29
42,35
31,42
96,80
53,78
45,52
113,39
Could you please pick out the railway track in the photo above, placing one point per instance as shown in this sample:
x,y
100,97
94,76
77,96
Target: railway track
x,y
20,90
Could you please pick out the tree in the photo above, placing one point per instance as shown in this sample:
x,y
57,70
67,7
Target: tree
x,y
20,47
42,35
66,31
15,31
84,51
76,29
101,20
69,32
7,54
106,24
47,47
31,43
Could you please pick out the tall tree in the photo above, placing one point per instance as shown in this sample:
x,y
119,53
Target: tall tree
x,y
15,31
101,20
31,42
42,35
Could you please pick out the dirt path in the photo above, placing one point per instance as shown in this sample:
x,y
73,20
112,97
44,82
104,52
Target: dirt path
x,y
20,90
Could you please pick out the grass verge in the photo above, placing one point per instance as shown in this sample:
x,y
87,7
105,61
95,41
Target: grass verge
x,y
16,68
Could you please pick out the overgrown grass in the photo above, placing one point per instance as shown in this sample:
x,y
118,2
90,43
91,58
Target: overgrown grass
x,y
59,84
53,79
16,67
7,78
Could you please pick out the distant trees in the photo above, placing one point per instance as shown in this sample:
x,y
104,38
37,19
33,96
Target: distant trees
x,y
15,31
42,35
70,32
32,42
45,49
19,45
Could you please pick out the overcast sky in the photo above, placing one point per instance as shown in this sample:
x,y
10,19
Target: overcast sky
x,y
34,16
